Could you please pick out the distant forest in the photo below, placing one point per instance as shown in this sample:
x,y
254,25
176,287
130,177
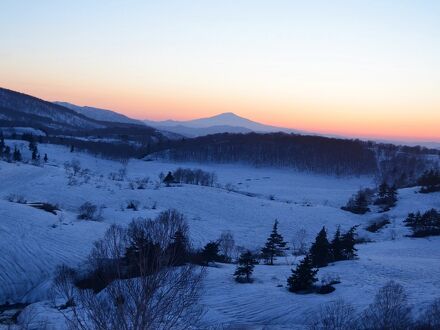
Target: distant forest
x,y
399,165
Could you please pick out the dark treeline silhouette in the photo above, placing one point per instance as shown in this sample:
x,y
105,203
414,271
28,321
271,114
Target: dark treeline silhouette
x,y
399,165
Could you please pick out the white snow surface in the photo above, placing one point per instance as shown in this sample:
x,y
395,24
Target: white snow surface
x,y
33,242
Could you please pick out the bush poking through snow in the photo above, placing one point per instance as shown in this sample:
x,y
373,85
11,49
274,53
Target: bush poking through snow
x,y
89,211
16,198
337,315
133,205
358,204
63,284
378,224
389,310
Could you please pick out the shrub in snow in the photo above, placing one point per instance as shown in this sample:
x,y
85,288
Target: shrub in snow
x,y
133,205
226,245
337,315
63,284
76,175
16,198
358,204
299,242
389,310
375,225
430,318
119,175
89,211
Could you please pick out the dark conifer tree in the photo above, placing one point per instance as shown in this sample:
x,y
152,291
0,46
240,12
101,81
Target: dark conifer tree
x,y
245,267
303,277
348,241
16,155
178,249
210,252
7,153
2,143
169,179
320,252
275,245
336,246
35,153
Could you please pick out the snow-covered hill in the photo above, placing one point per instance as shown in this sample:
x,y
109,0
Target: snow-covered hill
x,y
246,201
100,114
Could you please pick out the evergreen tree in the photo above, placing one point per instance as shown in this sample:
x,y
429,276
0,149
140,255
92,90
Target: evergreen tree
x,y
210,252
32,144
336,246
45,158
16,155
348,241
245,267
178,249
320,250
7,153
358,204
275,245
169,178
2,143
303,276
35,153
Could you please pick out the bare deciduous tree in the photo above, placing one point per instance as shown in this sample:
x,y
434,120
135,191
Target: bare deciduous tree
x,y
131,284
389,310
226,244
335,316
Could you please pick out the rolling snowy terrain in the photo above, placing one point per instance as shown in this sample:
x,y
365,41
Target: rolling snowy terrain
x,y
245,201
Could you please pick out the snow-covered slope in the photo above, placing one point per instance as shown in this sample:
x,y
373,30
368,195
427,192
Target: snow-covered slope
x,y
246,201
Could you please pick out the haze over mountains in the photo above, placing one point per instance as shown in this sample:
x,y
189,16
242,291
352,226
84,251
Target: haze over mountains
x,y
24,109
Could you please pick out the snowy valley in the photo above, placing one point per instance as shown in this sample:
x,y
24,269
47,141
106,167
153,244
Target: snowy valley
x,y
244,201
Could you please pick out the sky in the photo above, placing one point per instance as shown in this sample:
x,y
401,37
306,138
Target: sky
x,y
354,67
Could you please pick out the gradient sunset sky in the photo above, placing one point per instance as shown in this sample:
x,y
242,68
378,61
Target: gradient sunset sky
x,y
358,68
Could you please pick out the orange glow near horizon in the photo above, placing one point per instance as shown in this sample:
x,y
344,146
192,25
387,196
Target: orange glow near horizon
x,y
352,69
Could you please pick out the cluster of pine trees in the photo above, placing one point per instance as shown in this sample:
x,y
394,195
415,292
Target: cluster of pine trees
x,y
426,224
16,155
189,176
322,252
430,181
385,198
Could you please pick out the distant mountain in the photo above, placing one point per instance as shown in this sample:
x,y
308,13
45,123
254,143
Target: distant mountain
x,y
100,114
223,123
